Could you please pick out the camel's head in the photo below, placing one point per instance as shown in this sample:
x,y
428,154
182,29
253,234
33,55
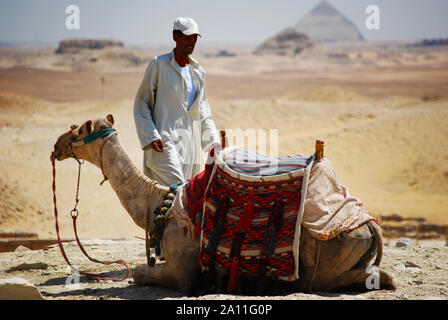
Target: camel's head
x,y
64,147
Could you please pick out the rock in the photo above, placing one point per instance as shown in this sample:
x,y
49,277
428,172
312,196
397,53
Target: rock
x,y
21,249
402,296
410,264
75,45
28,266
443,290
18,289
399,267
404,243
415,272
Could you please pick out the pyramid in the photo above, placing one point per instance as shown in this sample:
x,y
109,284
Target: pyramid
x,y
326,24
288,42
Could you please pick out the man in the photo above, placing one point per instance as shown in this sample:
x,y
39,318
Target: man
x,y
171,111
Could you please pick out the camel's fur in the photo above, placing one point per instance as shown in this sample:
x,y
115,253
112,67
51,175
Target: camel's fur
x,y
342,260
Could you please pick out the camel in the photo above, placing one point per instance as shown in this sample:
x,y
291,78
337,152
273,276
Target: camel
x,y
342,260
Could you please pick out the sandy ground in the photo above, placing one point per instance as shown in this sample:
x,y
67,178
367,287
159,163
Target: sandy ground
x,y
382,114
420,272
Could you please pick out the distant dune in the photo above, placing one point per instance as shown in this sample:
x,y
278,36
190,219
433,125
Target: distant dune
x,y
95,55
76,45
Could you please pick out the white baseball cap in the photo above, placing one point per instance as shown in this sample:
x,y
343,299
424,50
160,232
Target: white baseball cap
x,y
187,25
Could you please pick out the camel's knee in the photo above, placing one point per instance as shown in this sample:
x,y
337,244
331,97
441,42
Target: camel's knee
x,y
140,275
379,279
144,275
387,281
165,276
371,278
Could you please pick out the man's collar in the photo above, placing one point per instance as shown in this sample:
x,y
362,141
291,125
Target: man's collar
x,y
192,61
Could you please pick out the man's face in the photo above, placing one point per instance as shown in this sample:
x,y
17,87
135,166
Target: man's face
x,y
185,44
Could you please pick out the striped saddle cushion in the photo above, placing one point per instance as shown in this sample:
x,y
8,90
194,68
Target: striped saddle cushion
x,y
257,164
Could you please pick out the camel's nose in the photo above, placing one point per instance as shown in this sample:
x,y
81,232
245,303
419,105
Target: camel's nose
x,y
54,155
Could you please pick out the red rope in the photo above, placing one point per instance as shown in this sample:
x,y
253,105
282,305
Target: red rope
x,y
238,238
96,276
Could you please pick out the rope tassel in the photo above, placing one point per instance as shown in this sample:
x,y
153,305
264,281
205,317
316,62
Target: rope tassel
x,y
235,252
233,279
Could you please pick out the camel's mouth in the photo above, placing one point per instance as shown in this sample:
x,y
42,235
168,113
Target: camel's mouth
x,y
62,147
58,155
54,155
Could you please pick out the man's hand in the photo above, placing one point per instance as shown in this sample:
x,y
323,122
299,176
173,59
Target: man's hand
x,y
157,145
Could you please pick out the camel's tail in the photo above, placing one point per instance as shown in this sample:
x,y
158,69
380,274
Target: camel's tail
x,y
376,231
387,281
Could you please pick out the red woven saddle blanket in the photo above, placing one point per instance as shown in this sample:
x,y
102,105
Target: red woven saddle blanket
x,y
249,223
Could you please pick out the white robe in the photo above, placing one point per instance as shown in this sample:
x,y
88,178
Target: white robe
x,y
161,112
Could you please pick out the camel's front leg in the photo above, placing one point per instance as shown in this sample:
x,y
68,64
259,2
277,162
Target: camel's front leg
x,y
180,269
144,275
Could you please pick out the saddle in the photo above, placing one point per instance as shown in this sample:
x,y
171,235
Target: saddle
x,y
249,210
250,214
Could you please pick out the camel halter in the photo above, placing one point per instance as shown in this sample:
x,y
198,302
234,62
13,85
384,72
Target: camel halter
x,y
101,133
74,213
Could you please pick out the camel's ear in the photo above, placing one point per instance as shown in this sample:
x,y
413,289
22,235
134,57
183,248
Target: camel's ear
x,y
88,126
75,130
110,118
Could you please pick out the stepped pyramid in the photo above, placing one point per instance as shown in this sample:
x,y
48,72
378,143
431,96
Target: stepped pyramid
x,y
288,42
326,24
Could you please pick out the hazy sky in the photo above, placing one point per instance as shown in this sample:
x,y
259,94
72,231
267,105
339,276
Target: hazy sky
x,y
149,22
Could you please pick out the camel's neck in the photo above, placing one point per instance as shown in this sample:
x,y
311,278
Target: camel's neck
x,y
137,193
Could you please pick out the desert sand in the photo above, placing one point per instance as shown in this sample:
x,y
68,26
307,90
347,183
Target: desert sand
x,y
420,272
381,110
